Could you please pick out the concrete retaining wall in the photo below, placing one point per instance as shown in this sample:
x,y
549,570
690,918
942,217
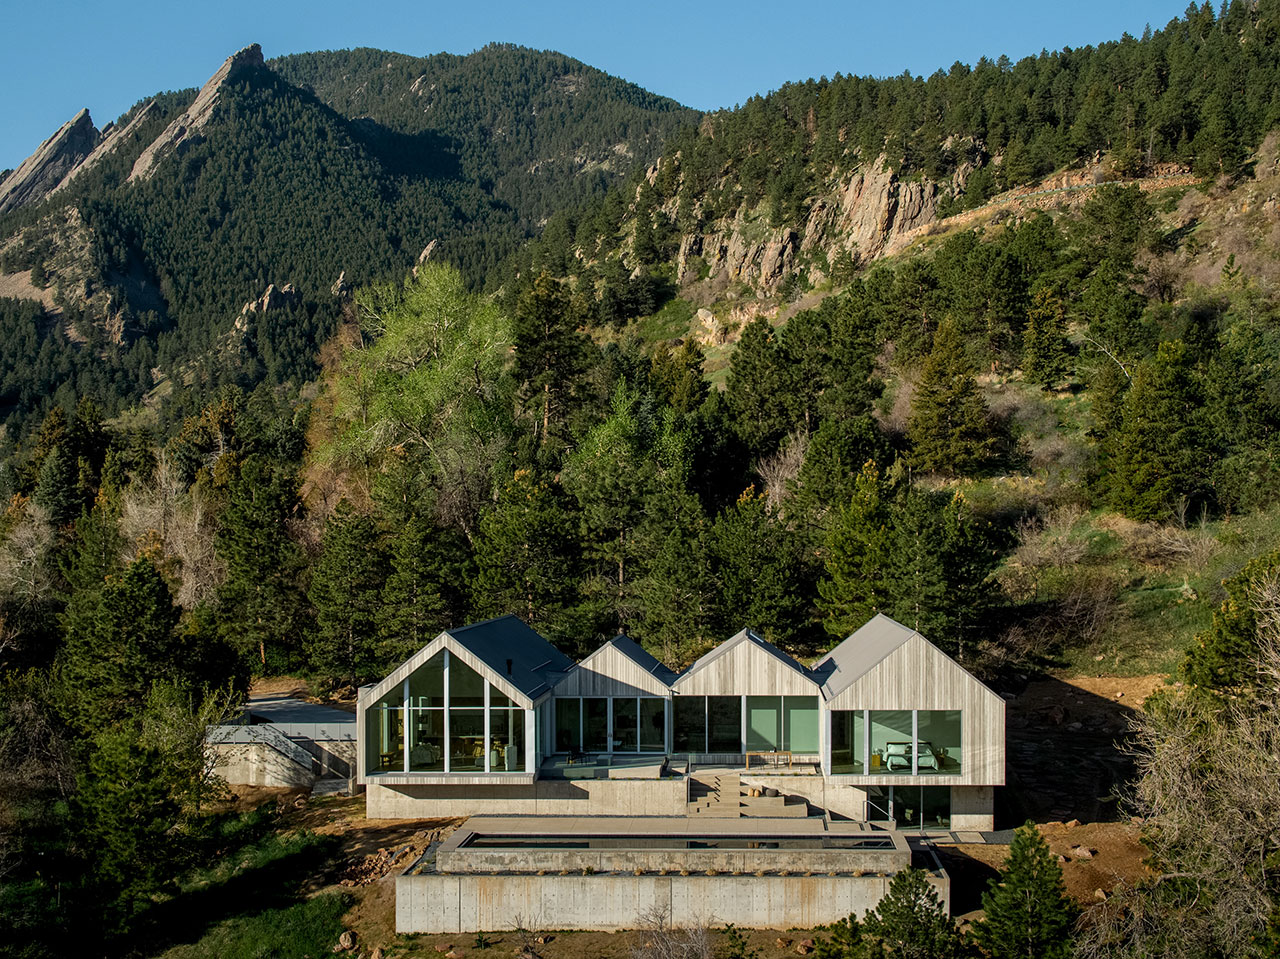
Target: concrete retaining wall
x,y
258,764
468,903
550,797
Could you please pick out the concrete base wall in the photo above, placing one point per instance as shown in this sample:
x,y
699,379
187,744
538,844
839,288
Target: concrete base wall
x,y
257,764
972,808
586,797
457,904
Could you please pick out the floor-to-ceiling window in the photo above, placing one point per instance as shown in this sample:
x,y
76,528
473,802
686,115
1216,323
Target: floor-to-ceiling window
x,y
901,742
782,723
456,723
384,733
724,724
689,724
621,724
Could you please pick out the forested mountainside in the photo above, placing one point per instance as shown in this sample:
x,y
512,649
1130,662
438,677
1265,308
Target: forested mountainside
x,y
1043,431
801,185
144,257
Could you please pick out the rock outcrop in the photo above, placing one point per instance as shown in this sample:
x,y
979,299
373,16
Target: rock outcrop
x,y
42,172
866,214
184,131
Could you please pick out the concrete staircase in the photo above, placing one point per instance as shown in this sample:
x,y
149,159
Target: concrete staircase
x,y
720,795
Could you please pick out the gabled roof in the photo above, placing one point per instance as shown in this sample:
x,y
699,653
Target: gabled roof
x,y
640,656
535,665
746,636
859,653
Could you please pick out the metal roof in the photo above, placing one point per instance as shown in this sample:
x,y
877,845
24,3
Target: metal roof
x,y
859,653
535,664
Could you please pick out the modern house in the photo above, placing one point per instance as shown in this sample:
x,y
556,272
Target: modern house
x,y
492,719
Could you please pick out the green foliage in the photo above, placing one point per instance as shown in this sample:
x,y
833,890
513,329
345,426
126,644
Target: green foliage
x,y
1045,350
1027,912
1223,659
949,428
120,645
908,923
307,928
1162,452
527,555
424,590
261,599
550,355
917,557
347,582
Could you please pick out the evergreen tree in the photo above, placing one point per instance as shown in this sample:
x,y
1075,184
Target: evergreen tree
x,y
857,551
550,354
762,576
121,646
261,600
346,591
1224,657
1044,343
948,426
59,491
1162,452
908,923
424,591
1028,913
528,555
754,386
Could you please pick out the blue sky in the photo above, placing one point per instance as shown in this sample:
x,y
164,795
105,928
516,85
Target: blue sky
x,y
62,55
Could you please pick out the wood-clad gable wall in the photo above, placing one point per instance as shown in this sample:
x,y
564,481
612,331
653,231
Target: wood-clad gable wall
x,y
917,675
607,672
745,670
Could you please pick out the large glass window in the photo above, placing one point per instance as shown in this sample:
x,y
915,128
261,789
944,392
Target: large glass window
x,y
848,740
938,731
506,739
595,725
625,720
800,717
899,742
653,726
764,723
724,724
568,725
689,724
384,732
426,740
890,732
638,724
446,727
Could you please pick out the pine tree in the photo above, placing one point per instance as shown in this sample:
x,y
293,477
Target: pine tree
x,y
1044,342
346,590
1162,451
263,608
908,923
1224,657
59,491
948,425
528,554
1028,913
422,594
119,646
550,354
857,550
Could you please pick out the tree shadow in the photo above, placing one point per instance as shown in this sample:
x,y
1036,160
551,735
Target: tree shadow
x,y
277,883
1066,757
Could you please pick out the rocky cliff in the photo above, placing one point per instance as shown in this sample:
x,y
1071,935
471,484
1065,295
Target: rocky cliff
x,y
58,157
862,215
185,130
